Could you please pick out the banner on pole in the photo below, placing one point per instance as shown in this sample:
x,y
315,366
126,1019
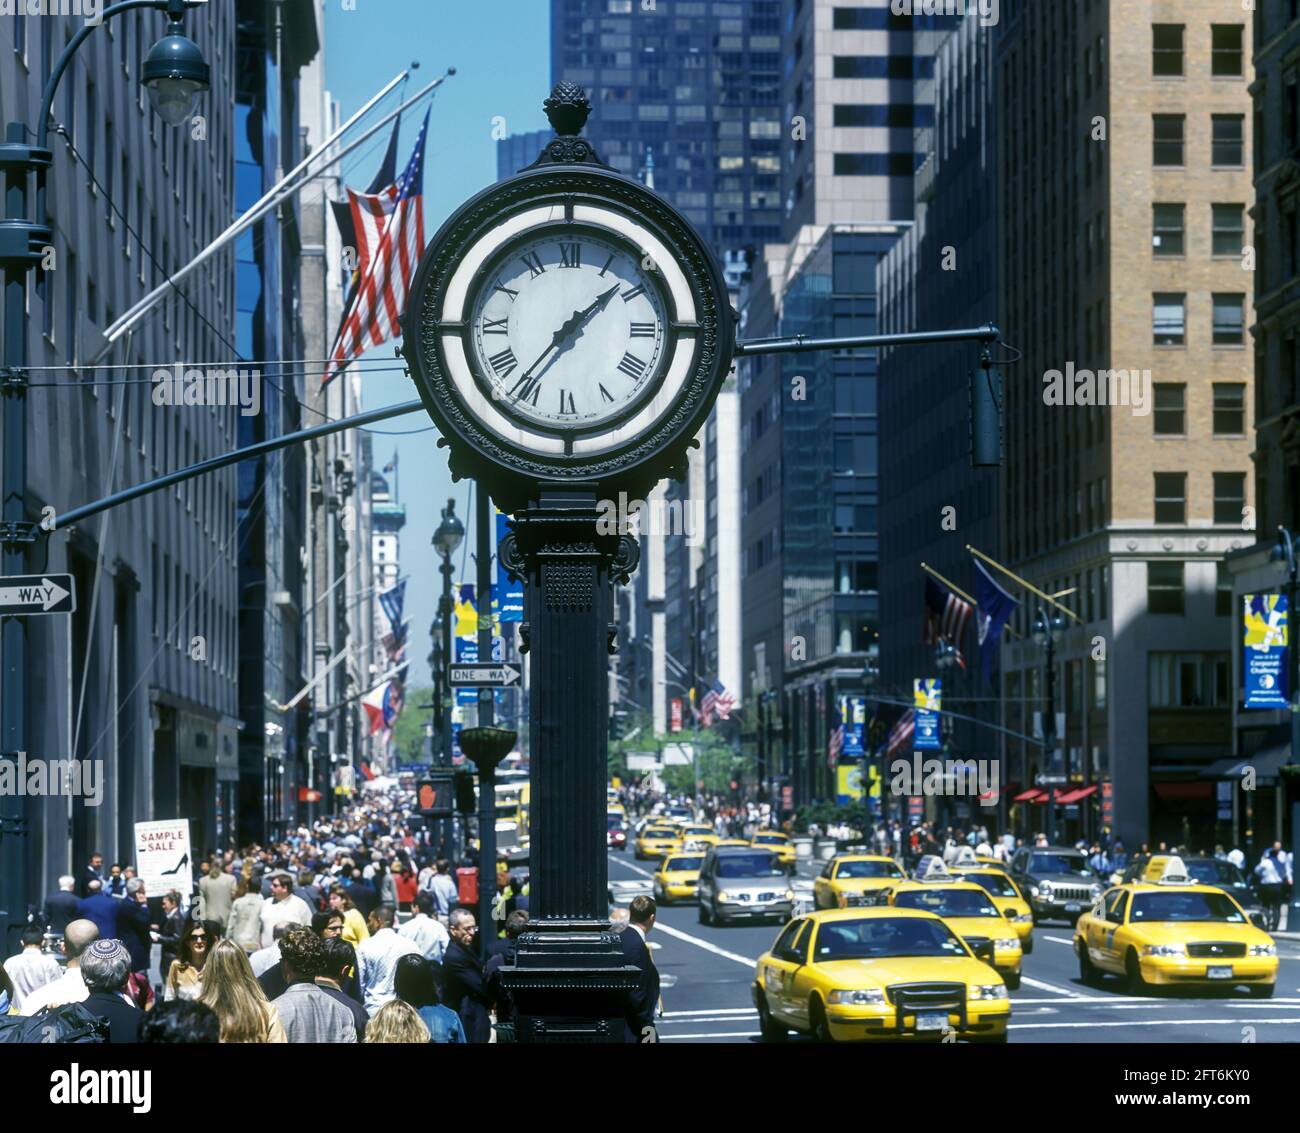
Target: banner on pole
x,y
1264,642
927,698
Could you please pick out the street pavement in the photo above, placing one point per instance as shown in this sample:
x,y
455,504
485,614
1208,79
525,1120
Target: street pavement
x,y
707,972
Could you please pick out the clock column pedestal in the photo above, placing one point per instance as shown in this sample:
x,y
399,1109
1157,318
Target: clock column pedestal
x,y
570,981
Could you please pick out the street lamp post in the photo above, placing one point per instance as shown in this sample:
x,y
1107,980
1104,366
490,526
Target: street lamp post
x,y
175,74
1045,629
446,539
1288,553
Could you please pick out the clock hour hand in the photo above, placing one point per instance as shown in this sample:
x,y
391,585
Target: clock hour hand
x,y
561,339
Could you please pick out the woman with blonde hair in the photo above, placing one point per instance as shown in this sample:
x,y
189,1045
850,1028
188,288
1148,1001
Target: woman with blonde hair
x,y
397,1022
233,994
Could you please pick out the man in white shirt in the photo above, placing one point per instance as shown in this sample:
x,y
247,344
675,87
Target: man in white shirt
x,y
69,987
264,959
443,888
1237,858
31,968
282,908
377,959
426,933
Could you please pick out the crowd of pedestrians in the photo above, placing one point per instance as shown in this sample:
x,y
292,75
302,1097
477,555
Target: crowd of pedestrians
x,y
350,931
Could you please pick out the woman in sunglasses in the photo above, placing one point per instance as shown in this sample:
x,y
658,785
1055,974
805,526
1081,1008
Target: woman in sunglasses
x,y
197,942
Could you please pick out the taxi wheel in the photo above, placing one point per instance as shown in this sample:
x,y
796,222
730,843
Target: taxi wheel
x,y
1262,991
769,1028
1028,946
703,911
1088,972
1012,980
1133,970
821,1028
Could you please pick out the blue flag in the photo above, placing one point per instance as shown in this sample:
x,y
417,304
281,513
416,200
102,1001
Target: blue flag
x,y
993,609
391,602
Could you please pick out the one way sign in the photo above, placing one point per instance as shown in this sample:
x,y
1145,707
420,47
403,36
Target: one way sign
x,y
23,595
501,675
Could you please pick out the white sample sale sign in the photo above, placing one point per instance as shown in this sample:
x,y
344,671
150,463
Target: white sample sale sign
x,y
162,856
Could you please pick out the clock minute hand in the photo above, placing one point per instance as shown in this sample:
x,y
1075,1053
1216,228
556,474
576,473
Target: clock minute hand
x,y
573,324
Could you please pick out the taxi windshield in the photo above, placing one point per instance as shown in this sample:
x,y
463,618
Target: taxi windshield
x,y
879,938
672,865
1176,906
995,882
1059,863
867,869
769,839
749,865
659,832
948,902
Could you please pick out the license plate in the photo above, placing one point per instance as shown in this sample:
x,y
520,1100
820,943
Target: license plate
x,y
1219,972
1074,907
931,1022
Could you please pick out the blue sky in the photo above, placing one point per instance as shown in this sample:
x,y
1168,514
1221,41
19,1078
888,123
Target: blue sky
x,y
501,52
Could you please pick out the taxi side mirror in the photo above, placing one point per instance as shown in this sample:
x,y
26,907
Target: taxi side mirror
x,y
1010,914
1257,919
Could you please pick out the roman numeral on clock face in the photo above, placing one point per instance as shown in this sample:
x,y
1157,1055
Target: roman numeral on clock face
x,y
506,291
566,402
643,330
605,393
632,366
633,292
534,264
504,362
496,326
570,255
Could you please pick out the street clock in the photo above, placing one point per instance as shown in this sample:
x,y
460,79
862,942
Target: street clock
x,y
568,325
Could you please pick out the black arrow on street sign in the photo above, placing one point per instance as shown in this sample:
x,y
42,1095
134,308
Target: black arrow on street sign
x,y
23,595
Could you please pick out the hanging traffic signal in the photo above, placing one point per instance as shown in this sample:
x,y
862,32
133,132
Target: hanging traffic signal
x,y
985,416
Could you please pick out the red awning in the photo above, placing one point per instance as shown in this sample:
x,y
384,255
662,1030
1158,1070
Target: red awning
x,y
1027,796
1075,795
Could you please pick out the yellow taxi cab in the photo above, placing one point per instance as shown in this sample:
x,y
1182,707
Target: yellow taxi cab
x,y
777,842
677,877
656,840
1174,931
877,974
696,835
1006,896
967,909
855,879
733,842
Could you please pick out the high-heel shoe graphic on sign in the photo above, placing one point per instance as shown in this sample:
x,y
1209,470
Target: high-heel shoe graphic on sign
x,y
185,860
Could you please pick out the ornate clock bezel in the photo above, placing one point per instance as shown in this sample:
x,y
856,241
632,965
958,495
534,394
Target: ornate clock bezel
x,y
641,457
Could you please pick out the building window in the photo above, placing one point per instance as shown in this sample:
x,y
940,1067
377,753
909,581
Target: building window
x,y
1167,49
1227,143
1228,229
1167,134
1170,415
1229,409
1166,229
1171,497
1229,498
1189,680
1169,324
1229,320
1099,683
1222,590
1165,588
1226,49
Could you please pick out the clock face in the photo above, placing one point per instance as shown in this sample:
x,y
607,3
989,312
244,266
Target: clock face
x,y
568,329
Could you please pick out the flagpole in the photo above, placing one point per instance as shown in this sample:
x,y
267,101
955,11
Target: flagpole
x,y
958,591
269,201
1027,585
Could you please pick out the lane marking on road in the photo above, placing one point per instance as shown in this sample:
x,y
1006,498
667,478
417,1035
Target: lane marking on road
x,y
634,868
1151,1023
1058,940
710,1035
710,1011
677,934
1044,986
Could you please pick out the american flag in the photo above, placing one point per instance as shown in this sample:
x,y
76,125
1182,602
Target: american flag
x,y
900,735
390,237
946,616
834,746
717,702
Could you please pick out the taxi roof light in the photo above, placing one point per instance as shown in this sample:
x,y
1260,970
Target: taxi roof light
x,y
1175,873
931,868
